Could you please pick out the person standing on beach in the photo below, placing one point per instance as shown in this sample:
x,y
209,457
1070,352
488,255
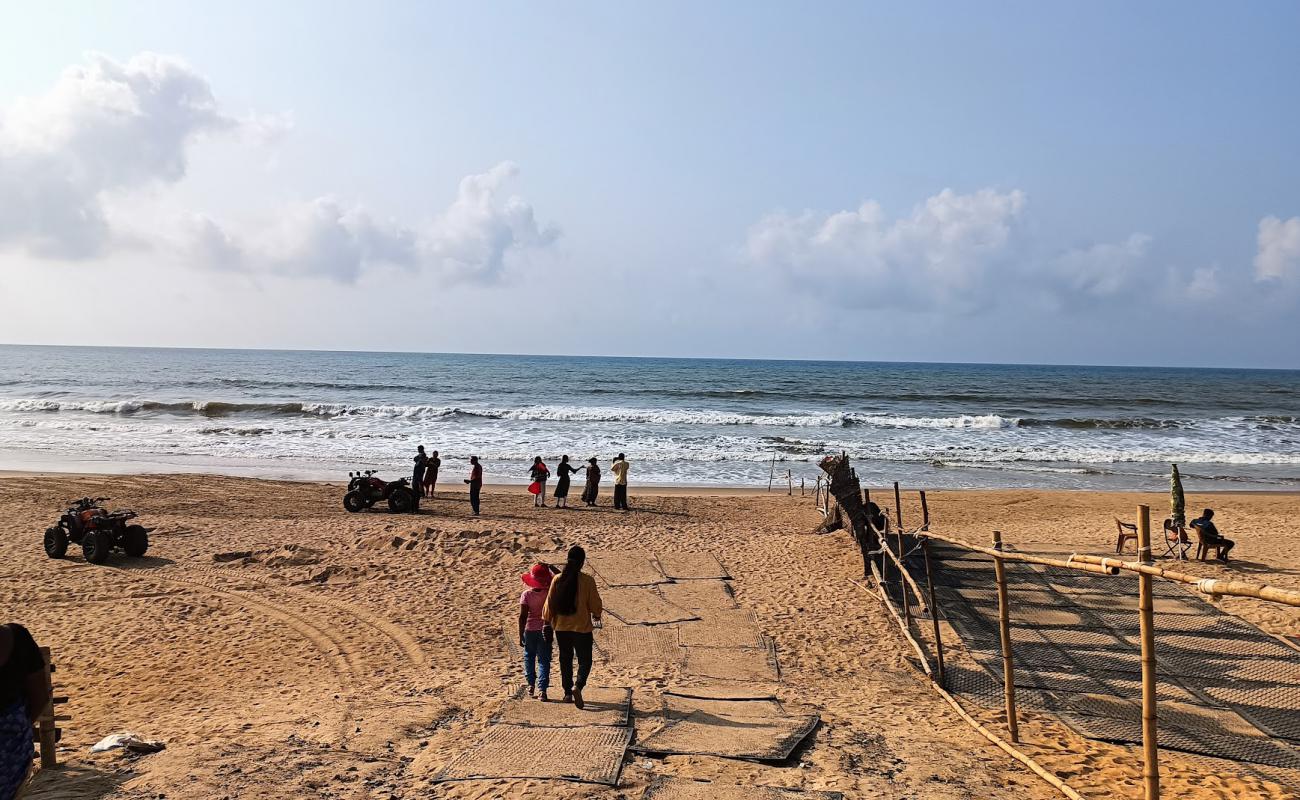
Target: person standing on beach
x,y
562,485
539,473
475,481
619,468
535,635
572,606
23,696
417,477
431,473
593,482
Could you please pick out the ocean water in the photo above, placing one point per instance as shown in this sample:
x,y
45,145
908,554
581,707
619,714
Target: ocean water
x,y
726,422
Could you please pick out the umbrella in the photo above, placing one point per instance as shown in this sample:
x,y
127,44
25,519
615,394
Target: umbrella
x,y
1176,500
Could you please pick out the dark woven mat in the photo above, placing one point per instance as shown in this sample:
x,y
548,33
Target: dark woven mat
x,y
586,755
692,566
601,707
665,788
755,738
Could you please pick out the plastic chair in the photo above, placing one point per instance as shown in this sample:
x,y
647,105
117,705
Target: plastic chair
x,y
1127,531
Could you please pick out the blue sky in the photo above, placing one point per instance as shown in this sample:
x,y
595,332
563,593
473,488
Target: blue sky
x,y
1066,183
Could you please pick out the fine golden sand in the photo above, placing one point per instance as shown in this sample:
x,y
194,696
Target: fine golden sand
x,y
282,647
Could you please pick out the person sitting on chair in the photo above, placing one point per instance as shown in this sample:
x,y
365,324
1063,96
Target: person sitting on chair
x,y
1204,525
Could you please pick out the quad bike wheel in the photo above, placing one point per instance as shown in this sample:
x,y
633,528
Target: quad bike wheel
x,y
354,502
135,540
95,546
402,500
56,542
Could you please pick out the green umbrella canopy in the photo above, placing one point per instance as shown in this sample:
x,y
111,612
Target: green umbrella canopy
x,y
1177,502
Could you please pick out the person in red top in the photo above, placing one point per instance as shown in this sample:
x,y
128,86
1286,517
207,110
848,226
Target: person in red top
x,y
475,481
535,636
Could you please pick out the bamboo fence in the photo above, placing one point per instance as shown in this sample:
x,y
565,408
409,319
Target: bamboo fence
x,y
891,557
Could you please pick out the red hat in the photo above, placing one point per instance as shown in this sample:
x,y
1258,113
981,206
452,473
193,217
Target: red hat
x,y
539,577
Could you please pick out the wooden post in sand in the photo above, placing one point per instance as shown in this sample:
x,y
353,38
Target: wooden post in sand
x,y
46,734
902,577
898,509
934,614
925,513
1147,629
1004,627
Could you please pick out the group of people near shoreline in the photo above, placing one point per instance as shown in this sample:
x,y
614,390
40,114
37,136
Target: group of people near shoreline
x,y
424,479
560,606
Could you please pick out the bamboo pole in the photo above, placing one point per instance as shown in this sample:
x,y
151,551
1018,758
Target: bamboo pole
x,y
903,577
1004,627
1150,747
1028,761
1076,564
1210,586
910,581
898,507
46,733
925,513
934,613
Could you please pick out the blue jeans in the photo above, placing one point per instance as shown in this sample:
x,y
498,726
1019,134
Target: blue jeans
x,y
537,659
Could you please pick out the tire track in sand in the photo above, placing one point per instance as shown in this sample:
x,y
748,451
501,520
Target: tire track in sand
x,y
329,640
411,651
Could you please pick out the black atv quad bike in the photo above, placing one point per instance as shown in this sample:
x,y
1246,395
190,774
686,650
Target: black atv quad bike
x,y
98,530
364,490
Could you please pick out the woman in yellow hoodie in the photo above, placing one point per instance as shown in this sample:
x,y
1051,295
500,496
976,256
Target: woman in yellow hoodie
x,y
572,605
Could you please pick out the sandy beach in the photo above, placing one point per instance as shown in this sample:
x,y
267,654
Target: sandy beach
x,y
282,647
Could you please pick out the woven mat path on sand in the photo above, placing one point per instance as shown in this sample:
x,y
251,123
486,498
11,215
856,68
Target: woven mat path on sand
x,y
627,568
722,628
643,606
631,645
602,707
587,755
738,664
699,595
692,566
665,788
756,738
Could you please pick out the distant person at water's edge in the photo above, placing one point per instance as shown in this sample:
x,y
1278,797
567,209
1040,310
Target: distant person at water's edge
x,y
23,696
539,472
562,485
619,468
1205,526
431,468
572,606
421,463
535,636
592,489
475,481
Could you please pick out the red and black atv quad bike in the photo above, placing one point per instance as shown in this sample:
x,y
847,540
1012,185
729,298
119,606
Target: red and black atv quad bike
x,y
364,490
98,530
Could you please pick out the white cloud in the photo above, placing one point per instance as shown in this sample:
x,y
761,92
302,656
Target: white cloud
x,y
943,252
104,127
471,240
1102,270
108,129
1279,249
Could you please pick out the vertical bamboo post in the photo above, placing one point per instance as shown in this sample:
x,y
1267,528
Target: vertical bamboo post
x,y
1004,627
902,582
898,507
934,614
925,512
1150,747
771,475
45,732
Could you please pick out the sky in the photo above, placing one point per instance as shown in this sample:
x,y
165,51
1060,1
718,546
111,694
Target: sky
x,y
1069,183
